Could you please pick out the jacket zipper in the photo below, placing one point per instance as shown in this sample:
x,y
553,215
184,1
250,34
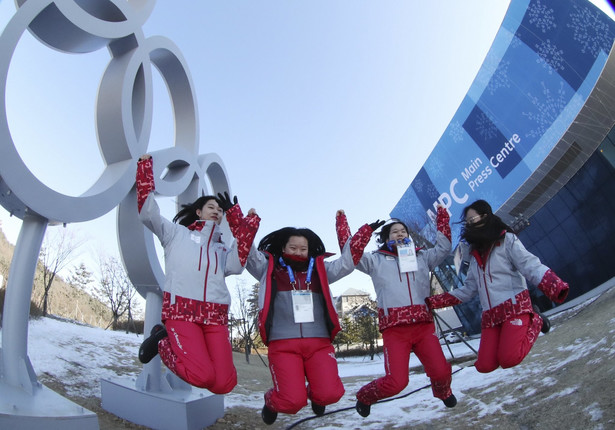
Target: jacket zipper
x,y
487,266
409,289
487,289
300,324
483,265
207,270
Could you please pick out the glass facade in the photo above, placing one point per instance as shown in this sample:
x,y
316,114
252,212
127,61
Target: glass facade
x,y
574,232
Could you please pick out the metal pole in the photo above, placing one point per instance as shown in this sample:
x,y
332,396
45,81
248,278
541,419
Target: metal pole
x,y
443,337
150,378
456,332
17,370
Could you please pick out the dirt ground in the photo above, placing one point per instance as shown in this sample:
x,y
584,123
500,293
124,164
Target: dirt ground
x,y
579,386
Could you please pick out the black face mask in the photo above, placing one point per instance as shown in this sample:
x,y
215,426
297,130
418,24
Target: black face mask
x,y
484,233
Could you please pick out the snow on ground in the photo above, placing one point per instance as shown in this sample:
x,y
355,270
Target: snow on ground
x,y
59,348
68,351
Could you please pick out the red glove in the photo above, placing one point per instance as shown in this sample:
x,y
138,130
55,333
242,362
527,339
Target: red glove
x,y
243,229
359,241
342,229
441,301
443,222
553,287
145,180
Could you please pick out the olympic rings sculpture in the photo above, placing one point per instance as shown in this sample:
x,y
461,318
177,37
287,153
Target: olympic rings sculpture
x,y
124,113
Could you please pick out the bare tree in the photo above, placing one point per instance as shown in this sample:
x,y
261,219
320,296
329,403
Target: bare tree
x,y
4,270
115,289
57,251
131,307
244,317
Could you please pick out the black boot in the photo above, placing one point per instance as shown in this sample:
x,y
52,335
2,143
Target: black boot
x,y
319,410
268,415
363,409
546,324
149,347
450,401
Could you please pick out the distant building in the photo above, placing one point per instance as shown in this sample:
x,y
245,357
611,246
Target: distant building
x,y
350,299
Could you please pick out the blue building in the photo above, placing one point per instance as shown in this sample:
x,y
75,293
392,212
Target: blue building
x,y
534,137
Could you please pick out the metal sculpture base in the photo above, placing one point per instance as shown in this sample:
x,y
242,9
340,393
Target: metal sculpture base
x,y
43,410
178,410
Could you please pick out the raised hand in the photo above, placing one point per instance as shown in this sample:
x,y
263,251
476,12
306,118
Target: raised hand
x,y
225,201
376,225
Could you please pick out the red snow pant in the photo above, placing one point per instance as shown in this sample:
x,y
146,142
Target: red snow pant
x,y
199,354
507,344
291,362
399,342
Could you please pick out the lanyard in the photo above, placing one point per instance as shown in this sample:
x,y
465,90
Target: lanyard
x,y
291,275
404,241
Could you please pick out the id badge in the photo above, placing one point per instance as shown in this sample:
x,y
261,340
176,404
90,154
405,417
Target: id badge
x,y
407,258
303,307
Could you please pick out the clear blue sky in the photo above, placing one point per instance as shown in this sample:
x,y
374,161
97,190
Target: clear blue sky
x,y
312,105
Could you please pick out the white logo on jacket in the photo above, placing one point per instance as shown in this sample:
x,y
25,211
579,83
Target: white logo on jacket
x,y
177,340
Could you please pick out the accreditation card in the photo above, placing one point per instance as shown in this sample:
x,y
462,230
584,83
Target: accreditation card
x,y
303,307
406,257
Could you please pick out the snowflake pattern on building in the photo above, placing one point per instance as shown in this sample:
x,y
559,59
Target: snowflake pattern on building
x,y
516,41
591,32
540,152
437,167
410,211
541,16
551,57
485,127
500,78
418,185
548,107
456,132
425,187
487,70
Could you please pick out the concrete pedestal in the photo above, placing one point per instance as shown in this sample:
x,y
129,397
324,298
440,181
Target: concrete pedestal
x,y
43,409
179,410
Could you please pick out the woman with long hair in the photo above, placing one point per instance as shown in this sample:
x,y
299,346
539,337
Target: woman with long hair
x,y
400,273
297,317
499,267
193,339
